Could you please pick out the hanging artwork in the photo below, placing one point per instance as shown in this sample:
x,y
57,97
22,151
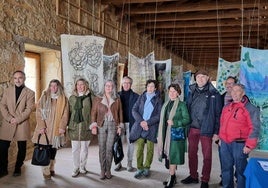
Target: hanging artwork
x,y
82,56
110,69
226,69
120,75
188,80
177,77
140,70
254,75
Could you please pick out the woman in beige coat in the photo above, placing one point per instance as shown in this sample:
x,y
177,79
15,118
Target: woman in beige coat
x,y
52,115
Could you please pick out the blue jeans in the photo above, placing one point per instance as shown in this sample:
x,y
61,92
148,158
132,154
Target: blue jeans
x,y
232,155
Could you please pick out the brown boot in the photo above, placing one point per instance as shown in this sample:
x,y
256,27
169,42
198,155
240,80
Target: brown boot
x,y
52,167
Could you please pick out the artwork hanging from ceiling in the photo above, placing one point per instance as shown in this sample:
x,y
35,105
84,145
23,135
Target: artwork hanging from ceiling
x,y
140,70
254,75
82,56
177,78
110,67
225,69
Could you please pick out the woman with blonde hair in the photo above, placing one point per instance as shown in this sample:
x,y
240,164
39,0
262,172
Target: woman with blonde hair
x,y
80,103
52,113
107,121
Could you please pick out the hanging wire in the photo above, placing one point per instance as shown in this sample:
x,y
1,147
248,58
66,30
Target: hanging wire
x,y
155,15
218,29
129,25
93,17
242,21
68,21
258,30
251,24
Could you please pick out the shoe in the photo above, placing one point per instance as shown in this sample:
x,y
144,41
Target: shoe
x,y
4,173
75,173
167,180
118,167
204,184
189,180
220,184
83,171
138,174
47,177
129,167
171,182
102,175
108,175
146,172
17,172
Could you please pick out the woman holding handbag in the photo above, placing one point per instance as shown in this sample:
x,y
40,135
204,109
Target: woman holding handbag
x,y
80,103
107,121
171,133
52,114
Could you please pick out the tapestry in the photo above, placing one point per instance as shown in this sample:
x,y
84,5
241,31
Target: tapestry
x,y
82,56
225,69
163,76
120,75
254,75
177,78
110,67
141,70
188,80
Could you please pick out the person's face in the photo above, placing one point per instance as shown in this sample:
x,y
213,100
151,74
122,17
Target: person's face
x,y
108,88
80,87
126,84
229,85
19,79
150,88
201,80
237,93
172,93
53,87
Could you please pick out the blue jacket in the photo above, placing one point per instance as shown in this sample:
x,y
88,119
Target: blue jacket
x,y
131,101
137,112
205,109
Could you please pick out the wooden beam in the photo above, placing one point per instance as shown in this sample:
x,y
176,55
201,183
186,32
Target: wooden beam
x,y
193,7
120,2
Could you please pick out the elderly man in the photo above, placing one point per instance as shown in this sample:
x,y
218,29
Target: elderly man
x,y
16,106
204,105
239,131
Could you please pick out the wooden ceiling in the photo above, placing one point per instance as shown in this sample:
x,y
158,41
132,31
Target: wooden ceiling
x,y
200,31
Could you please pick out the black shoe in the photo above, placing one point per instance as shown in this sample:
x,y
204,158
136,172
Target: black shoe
x,y
189,180
220,184
4,173
204,184
171,181
167,180
17,172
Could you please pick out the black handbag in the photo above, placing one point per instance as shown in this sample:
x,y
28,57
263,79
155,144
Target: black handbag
x,y
118,152
177,133
41,153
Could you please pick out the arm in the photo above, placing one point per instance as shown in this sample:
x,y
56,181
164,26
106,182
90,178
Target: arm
x,y
4,107
183,119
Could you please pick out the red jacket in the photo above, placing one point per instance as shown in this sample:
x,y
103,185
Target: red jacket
x,y
240,122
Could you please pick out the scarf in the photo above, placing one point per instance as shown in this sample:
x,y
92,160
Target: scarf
x,y
148,106
168,132
78,106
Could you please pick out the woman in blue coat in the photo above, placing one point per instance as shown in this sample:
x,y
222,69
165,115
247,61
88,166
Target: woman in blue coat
x,y
146,112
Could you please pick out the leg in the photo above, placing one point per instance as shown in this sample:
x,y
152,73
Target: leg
x,y
4,145
149,155
240,161
76,148
140,154
102,137
21,154
130,149
228,161
206,144
84,154
193,139
109,148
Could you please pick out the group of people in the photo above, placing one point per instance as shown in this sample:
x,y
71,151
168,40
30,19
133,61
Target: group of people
x,y
229,120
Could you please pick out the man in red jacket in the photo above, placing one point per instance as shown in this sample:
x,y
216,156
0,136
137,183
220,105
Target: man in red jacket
x,y
239,131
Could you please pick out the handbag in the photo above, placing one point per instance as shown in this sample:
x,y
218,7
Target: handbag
x,y
177,133
41,153
118,152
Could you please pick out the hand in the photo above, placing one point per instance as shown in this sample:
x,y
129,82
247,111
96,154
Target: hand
x,y
169,122
94,130
144,125
246,150
43,131
13,121
119,130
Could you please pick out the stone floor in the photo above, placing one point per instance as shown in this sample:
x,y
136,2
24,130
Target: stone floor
x,y
32,177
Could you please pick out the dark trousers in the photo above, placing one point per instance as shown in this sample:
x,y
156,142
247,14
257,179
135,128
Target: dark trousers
x,y
4,146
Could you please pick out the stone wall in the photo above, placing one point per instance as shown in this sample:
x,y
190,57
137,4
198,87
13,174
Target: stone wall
x,y
36,22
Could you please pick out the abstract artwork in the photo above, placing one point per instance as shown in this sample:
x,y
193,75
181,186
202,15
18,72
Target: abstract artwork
x,y
140,70
82,56
177,78
225,69
254,75
110,67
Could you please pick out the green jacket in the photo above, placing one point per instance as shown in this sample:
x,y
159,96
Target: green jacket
x,y
80,131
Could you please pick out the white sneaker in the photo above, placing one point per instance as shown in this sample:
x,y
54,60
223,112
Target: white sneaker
x,y
83,171
75,173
